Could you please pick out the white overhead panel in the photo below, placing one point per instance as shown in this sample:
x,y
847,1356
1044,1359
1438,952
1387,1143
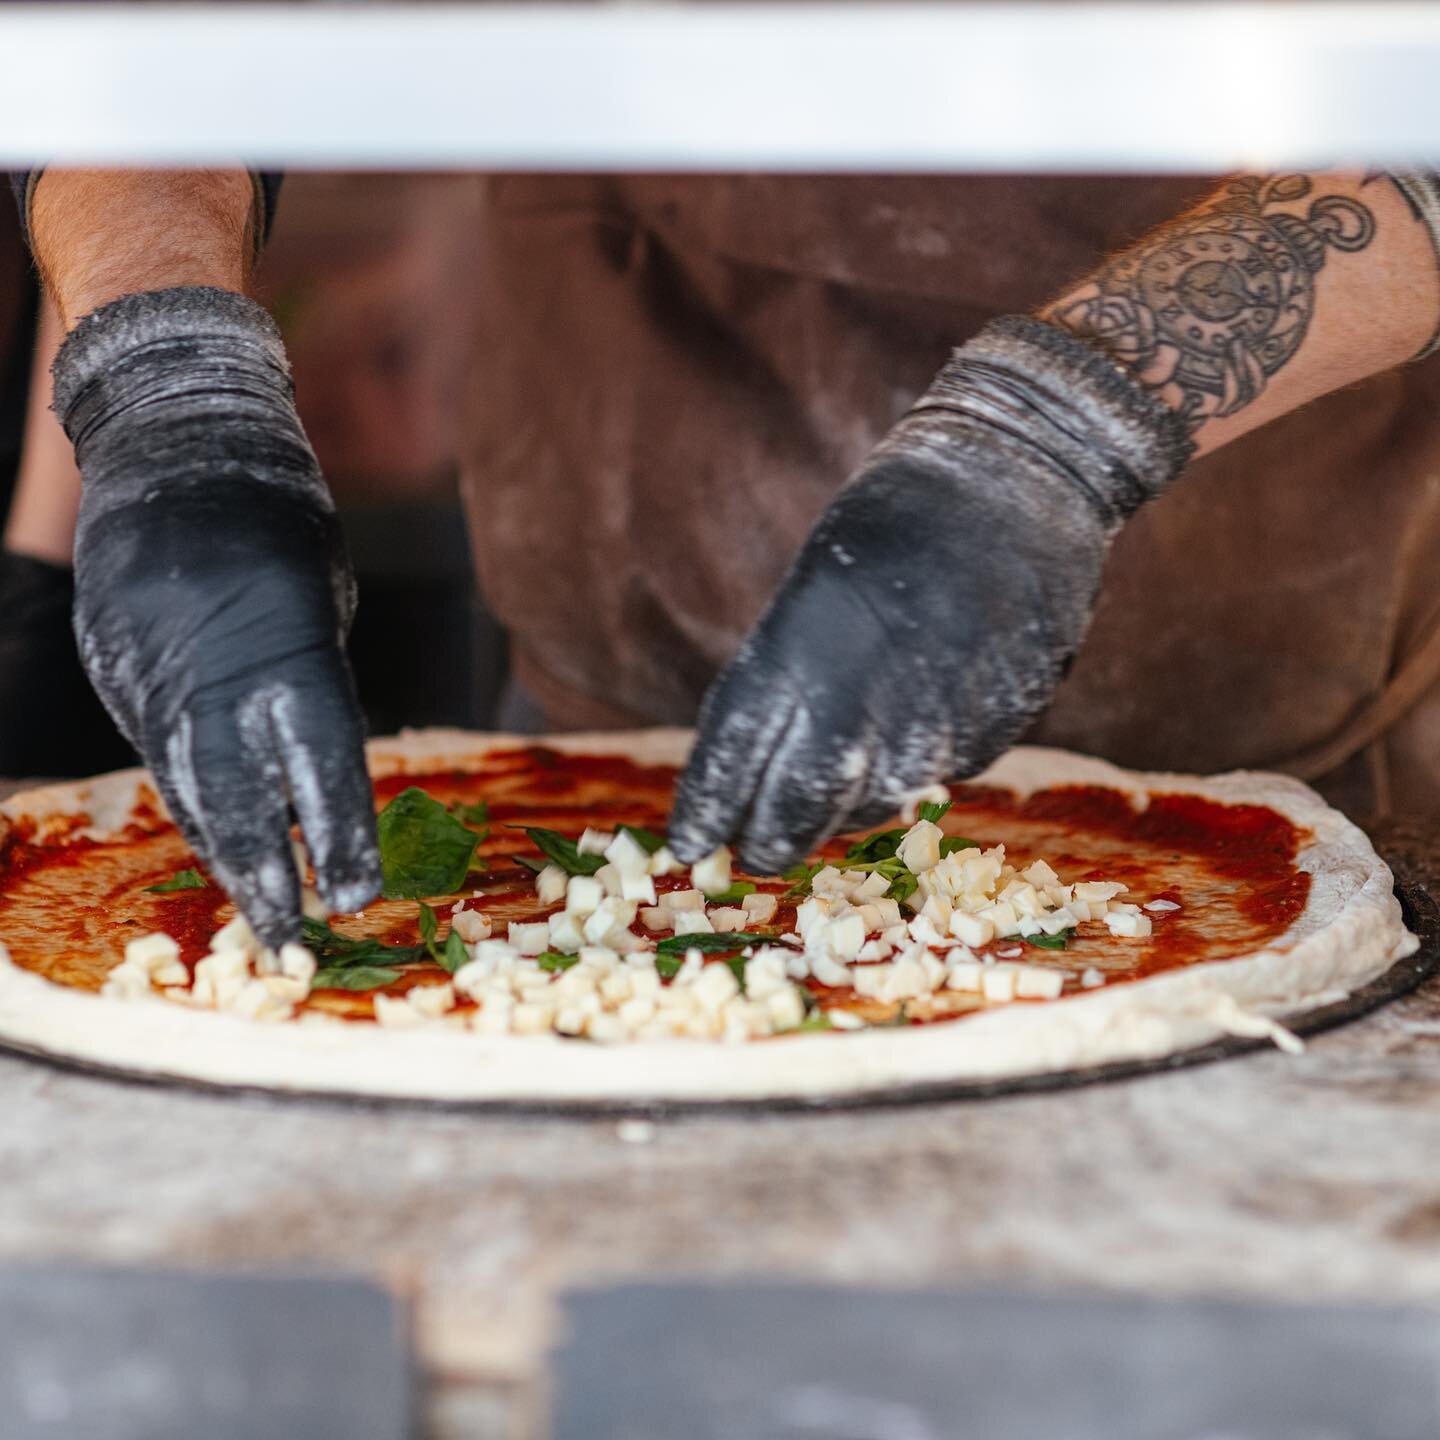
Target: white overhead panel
x,y
722,86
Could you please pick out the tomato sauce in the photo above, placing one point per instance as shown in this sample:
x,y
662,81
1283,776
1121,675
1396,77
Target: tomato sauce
x,y
68,903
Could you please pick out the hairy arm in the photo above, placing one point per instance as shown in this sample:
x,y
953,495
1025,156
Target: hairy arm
x,y
101,234
1274,290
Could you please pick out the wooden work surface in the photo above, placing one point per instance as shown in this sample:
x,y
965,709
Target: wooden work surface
x,y
1268,1175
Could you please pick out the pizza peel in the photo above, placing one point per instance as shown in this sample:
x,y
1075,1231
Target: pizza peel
x,y
1421,913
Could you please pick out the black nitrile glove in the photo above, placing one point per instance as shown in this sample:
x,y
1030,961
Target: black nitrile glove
x,y
51,724
936,605
212,593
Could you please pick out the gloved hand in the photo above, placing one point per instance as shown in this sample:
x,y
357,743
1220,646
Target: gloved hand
x,y
212,593
937,603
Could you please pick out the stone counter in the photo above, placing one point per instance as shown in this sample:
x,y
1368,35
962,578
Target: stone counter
x,y
1316,1175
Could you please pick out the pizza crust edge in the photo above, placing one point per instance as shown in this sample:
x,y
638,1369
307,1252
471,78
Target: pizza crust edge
x,y
1350,932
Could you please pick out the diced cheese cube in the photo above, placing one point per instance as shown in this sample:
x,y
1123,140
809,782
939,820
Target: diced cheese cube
x,y
814,909
297,963
675,900
872,887
1056,921
997,982
151,952
529,939
613,916
610,878
716,985
727,917
920,849
1038,982
1002,916
636,1011
693,922
594,842
877,949
972,930
472,926
655,917
845,1020
1092,979
1128,926
531,1018
828,971
431,1001
1093,890
712,874
908,980
640,888
870,980
759,908
889,911
663,862
965,975
583,895
550,885
785,1008
605,1029
1040,875
237,935
567,932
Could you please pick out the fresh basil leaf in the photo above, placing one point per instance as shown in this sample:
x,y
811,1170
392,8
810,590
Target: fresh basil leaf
x,y
933,810
709,944
800,877
668,966
354,977
736,893
530,862
429,927
336,950
1050,942
476,814
811,1023
455,955
424,850
190,879
881,845
561,851
903,886
951,843
647,840
553,961
737,969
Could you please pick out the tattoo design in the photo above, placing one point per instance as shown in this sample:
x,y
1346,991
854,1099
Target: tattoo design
x,y
1208,309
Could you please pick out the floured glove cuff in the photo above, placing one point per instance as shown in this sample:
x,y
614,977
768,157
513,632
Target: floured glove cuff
x,y
1047,391
140,384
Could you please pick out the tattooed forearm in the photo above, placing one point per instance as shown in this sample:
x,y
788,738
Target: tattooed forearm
x,y
1211,306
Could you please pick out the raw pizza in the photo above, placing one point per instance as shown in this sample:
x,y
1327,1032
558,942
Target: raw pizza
x,y
538,942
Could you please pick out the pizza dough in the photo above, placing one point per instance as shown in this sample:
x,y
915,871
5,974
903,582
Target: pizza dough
x,y
1349,932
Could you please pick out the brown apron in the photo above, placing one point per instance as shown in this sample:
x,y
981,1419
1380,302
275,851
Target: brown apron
x,y
674,375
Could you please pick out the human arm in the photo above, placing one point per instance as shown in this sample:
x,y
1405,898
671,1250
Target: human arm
x,y
212,588
928,618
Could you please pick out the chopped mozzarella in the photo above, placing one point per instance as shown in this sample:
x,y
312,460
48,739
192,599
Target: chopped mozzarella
x,y
1037,982
583,895
1160,907
712,874
1092,978
529,939
1128,926
759,909
920,849
594,842
472,926
693,922
550,885
998,982
727,917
